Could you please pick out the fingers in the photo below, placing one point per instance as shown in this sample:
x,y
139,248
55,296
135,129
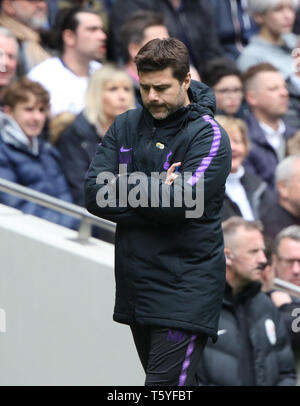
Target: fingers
x,y
171,173
173,167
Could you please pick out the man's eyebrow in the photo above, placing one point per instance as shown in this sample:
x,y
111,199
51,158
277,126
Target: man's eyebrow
x,y
93,27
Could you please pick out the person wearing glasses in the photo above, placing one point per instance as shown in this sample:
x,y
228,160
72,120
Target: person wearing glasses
x,y
224,77
26,19
285,212
253,347
286,266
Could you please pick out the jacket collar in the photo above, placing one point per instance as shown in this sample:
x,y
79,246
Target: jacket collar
x,y
202,102
249,291
257,134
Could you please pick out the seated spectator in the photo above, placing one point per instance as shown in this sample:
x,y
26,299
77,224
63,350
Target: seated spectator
x,y
286,211
293,144
80,41
191,21
267,97
253,347
24,157
110,93
224,77
140,28
52,11
275,41
98,6
286,266
246,194
293,86
234,26
8,58
23,18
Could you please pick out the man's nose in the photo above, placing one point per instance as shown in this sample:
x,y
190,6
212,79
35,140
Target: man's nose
x,y
262,257
102,35
152,95
296,267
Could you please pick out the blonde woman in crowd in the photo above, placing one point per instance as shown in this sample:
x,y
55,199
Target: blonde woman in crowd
x,y
110,93
246,194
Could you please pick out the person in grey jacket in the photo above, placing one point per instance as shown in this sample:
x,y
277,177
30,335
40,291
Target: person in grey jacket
x,y
274,42
253,347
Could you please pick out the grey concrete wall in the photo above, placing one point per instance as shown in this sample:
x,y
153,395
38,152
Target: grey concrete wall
x,y
56,305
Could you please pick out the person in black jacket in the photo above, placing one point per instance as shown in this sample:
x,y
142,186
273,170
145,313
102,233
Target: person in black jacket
x,y
285,210
286,266
253,348
190,21
170,265
109,93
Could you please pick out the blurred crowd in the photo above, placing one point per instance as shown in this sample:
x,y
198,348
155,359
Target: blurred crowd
x,y
67,70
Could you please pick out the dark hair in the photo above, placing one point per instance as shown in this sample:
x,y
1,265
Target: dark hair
x,y
250,74
216,69
66,19
160,54
19,90
133,30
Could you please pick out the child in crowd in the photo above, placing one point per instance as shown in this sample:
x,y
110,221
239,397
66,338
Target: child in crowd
x,y
24,157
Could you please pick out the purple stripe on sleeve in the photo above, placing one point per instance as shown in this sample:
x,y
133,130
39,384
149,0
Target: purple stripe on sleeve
x,y
187,361
212,153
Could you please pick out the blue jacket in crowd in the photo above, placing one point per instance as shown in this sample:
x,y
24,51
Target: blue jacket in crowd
x,y
35,165
234,26
262,159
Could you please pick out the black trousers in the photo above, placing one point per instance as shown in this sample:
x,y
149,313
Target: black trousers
x,y
169,357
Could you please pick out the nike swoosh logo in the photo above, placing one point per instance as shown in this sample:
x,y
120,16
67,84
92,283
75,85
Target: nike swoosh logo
x,y
221,332
125,150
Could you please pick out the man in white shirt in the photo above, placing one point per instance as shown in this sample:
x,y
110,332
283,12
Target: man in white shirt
x,y
81,42
267,97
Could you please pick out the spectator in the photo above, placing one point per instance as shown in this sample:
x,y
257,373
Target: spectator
x,y
286,211
224,77
246,194
234,26
293,86
80,41
52,11
140,28
110,93
191,21
286,266
296,28
253,346
23,18
275,41
293,144
98,6
24,157
8,58
267,98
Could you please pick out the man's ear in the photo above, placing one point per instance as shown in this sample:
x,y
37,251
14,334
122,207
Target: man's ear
x,y
69,37
251,99
228,256
187,81
282,190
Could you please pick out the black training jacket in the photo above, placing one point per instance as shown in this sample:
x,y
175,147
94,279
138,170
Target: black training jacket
x,y
170,270
253,348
